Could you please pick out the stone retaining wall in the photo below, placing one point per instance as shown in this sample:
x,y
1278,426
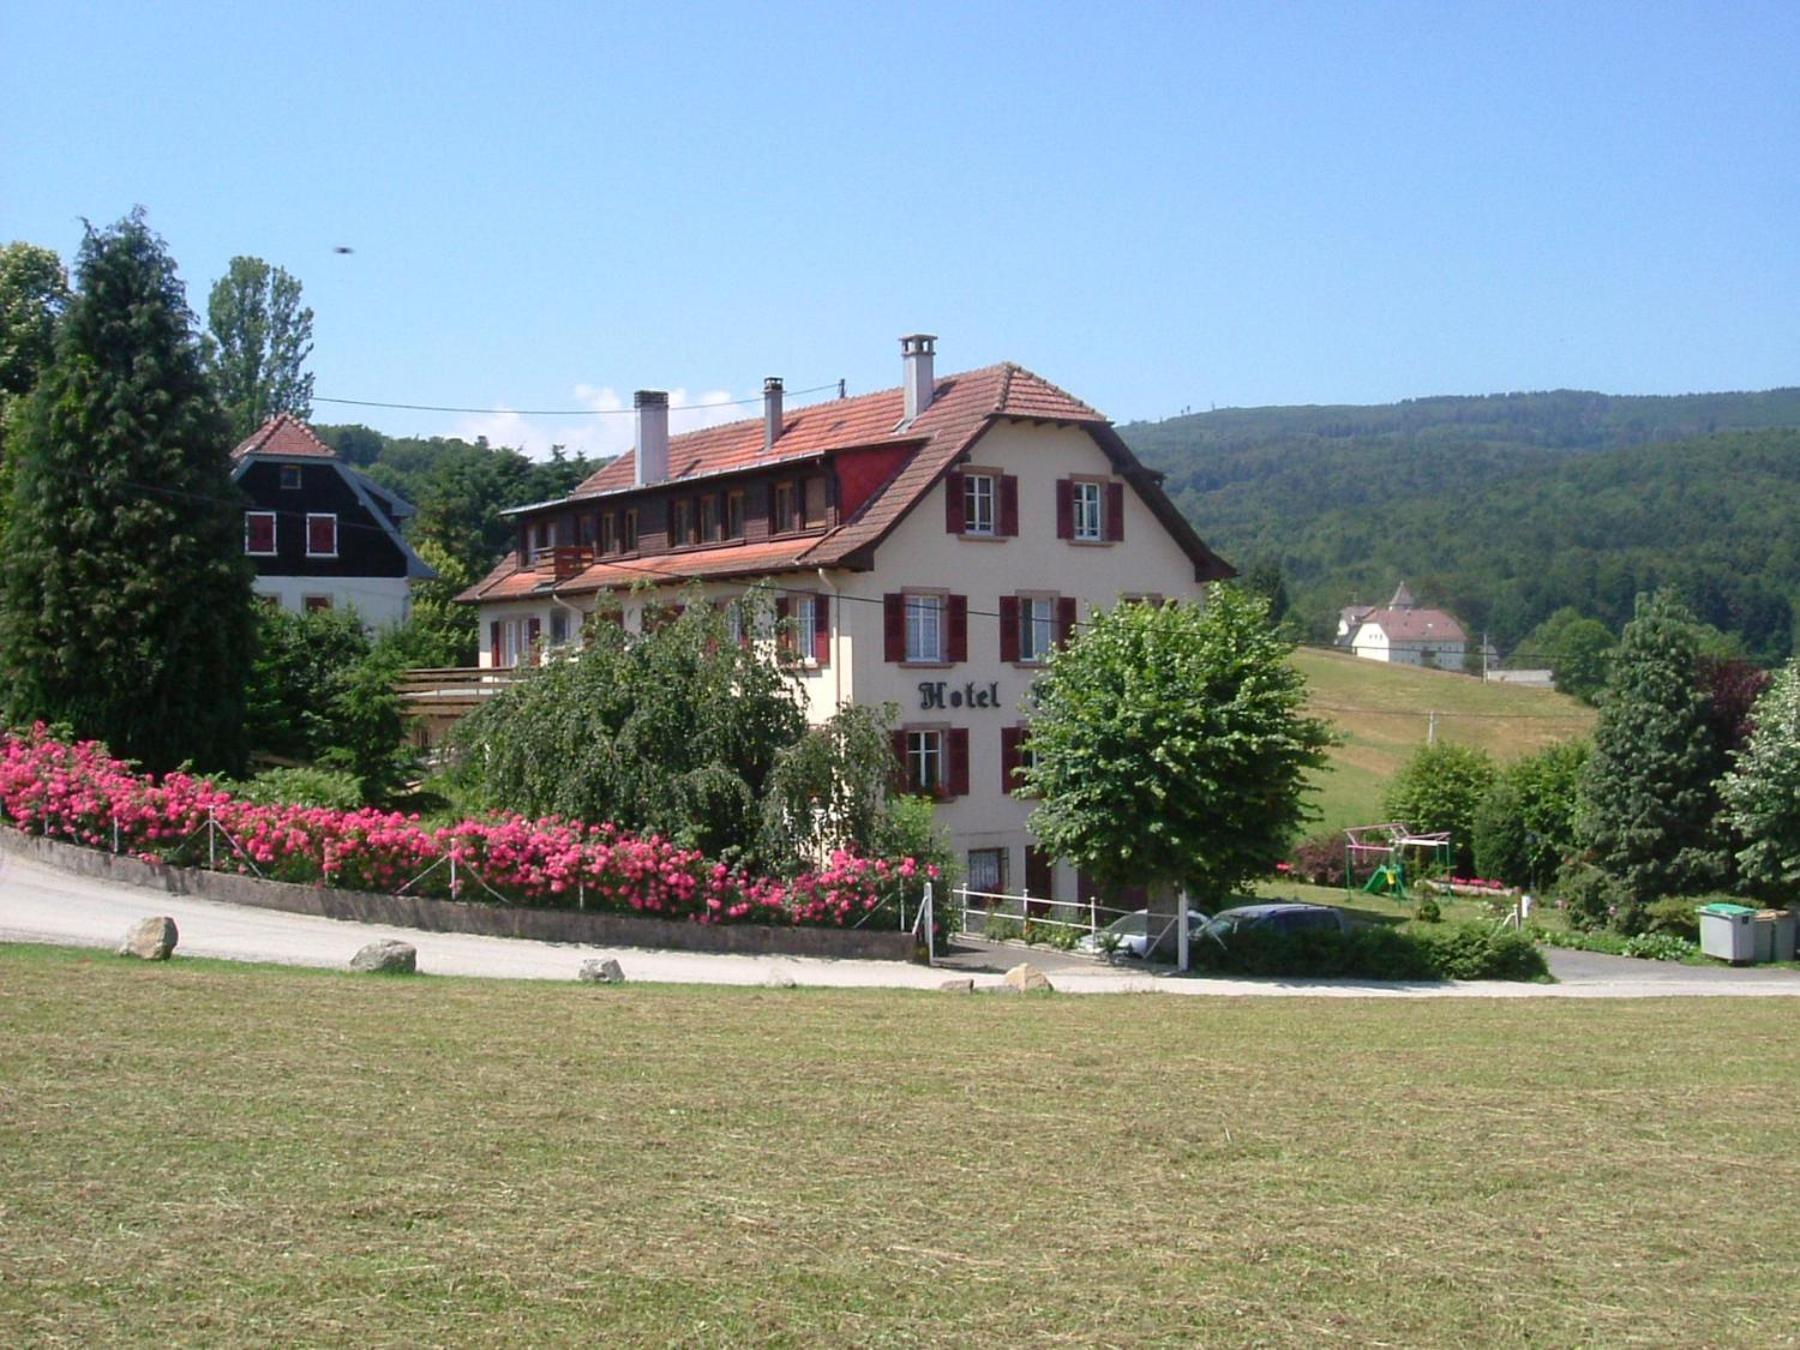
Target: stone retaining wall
x,y
460,916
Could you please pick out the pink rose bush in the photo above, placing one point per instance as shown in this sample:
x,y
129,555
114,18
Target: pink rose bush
x,y
80,794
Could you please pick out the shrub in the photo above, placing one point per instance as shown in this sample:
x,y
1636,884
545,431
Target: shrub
x,y
1525,826
1320,860
1645,946
301,787
1439,788
1661,947
1429,912
1677,917
1001,928
1591,898
1376,952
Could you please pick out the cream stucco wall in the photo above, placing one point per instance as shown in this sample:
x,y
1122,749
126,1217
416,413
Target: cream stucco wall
x,y
380,602
920,554
1372,644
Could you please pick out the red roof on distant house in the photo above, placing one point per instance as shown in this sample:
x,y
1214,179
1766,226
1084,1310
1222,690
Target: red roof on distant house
x,y
961,408
1416,625
284,435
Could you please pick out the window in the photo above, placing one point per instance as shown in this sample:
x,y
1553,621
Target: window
x,y
1037,627
628,531
709,518
783,515
978,503
321,536
259,533
987,870
585,531
814,503
1016,756
559,627
314,603
1089,527
734,515
681,523
925,628
609,533
734,622
290,477
925,761
806,625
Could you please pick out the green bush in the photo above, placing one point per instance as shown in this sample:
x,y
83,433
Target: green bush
x,y
329,788
1591,898
1645,946
1429,911
1525,826
1678,916
1439,788
1001,928
1376,952
1661,947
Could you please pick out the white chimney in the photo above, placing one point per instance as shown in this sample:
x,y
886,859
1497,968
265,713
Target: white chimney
x,y
916,351
652,435
771,411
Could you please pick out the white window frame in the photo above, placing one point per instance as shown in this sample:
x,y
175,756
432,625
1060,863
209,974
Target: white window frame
x,y
1001,858
981,503
311,516
925,766
312,603
559,617
274,520
925,617
1037,628
805,613
290,471
1088,503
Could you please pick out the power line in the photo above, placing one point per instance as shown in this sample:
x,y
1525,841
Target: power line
x,y
567,412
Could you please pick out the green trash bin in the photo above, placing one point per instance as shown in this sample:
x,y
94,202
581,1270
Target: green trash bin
x,y
1728,932
1774,935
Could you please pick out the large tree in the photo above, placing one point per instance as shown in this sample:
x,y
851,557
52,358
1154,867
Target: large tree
x,y
1649,801
1167,748
124,595
34,288
1762,791
261,336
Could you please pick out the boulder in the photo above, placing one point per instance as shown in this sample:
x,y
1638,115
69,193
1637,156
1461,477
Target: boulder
x,y
958,986
387,958
602,972
779,979
150,939
1026,978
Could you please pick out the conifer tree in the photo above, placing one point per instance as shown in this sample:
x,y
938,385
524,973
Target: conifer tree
x,y
124,594
1649,802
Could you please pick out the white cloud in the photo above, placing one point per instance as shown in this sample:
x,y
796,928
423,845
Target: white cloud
x,y
598,437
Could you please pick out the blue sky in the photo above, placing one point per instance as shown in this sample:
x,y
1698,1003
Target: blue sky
x,y
1157,207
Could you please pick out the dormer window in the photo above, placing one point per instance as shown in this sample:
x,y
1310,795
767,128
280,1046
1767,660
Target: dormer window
x,y
709,518
321,536
784,515
628,531
814,496
734,515
290,477
609,533
681,522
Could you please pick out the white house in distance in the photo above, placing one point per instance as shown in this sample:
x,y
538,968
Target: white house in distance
x,y
1403,633
930,544
322,534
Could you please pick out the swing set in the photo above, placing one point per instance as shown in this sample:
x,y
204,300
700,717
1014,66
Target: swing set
x,y
1382,855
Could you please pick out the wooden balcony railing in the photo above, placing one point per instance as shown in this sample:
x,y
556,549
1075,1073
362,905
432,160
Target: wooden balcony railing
x,y
564,560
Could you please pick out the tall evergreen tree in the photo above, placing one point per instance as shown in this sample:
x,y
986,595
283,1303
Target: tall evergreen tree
x,y
1762,791
1649,801
261,336
124,594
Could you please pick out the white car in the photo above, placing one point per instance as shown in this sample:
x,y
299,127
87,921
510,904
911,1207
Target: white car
x,y
1132,934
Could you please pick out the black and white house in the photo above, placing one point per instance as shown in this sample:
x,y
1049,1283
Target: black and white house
x,y
322,534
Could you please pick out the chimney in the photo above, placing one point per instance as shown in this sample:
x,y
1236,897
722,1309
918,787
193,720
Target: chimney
x,y
771,411
652,435
916,351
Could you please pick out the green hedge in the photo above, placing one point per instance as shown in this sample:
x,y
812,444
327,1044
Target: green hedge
x,y
1377,952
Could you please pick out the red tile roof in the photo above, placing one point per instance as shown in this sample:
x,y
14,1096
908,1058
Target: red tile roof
x,y
963,406
286,435
1416,625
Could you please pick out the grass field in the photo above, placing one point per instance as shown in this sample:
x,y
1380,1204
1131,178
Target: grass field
x,y
1383,712
197,1152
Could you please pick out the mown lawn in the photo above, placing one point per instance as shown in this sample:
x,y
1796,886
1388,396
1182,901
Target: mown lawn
x,y
241,1154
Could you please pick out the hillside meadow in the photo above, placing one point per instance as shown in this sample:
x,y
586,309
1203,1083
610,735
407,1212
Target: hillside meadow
x,y
1383,714
237,1154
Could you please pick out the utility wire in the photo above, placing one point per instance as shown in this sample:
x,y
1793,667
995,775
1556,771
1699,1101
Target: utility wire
x,y
569,412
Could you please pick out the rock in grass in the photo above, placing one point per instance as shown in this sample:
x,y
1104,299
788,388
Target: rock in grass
x,y
602,972
1026,978
387,958
779,979
958,986
150,939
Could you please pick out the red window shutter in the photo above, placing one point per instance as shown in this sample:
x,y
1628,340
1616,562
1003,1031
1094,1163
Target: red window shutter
x,y
1065,509
495,655
1009,758
1009,628
958,645
1009,506
534,628
1115,511
784,631
957,748
1065,618
821,651
893,626
905,779
953,503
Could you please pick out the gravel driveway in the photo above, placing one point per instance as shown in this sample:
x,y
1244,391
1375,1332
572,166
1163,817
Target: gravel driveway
x,y
39,903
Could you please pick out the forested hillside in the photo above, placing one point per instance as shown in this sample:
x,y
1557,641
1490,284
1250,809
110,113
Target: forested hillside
x,y
1507,508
